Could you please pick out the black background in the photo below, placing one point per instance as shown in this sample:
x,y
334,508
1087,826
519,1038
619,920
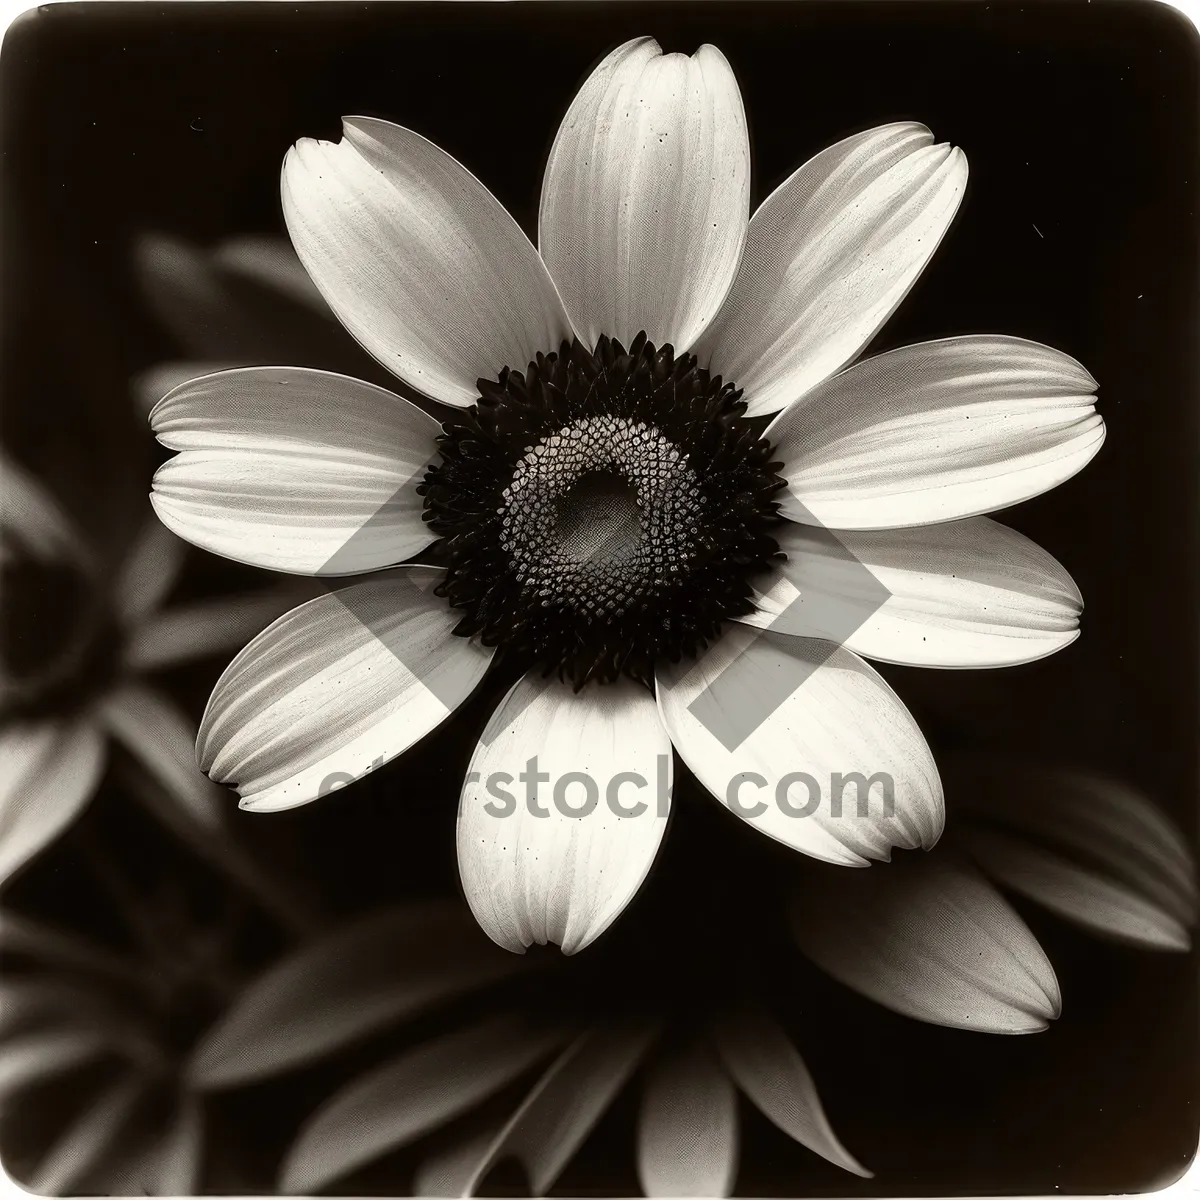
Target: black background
x,y
1079,121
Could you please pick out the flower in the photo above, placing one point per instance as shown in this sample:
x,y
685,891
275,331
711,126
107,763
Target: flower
x,y
688,1024
614,517
79,642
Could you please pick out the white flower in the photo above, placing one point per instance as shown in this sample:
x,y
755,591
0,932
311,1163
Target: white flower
x,y
574,494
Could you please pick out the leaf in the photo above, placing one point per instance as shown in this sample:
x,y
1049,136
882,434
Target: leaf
x,y
412,1094
361,978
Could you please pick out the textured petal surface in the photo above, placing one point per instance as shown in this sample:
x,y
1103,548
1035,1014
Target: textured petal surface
x,y
153,728
532,872
757,711
294,469
380,969
936,431
335,688
48,772
418,259
830,254
417,1091
1091,849
769,1069
646,195
929,938
969,593
687,1137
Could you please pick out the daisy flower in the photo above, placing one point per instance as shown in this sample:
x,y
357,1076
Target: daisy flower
x,y
81,644
927,936
611,508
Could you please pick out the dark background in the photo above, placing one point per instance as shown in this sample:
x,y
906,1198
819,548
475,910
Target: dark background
x,y
1078,229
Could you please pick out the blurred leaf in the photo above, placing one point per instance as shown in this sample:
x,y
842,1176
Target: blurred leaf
x,y
412,1094
688,1125
219,626
163,740
149,571
36,1057
556,1117
352,983
451,1169
164,1160
28,936
769,1069
1089,848
48,772
93,1135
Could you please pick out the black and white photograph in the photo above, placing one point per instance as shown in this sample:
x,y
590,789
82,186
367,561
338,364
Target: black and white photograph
x,y
599,599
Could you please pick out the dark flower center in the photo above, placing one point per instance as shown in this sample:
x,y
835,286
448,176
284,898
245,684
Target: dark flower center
x,y
602,511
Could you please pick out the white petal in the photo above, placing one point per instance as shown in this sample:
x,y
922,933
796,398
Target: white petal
x,y
688,1126
406,1097
929,938
48,772
152,384
1090,848
418,259
769,1069
969,593
757,711
294,470
830,254
531,872
936,431
335,688
647,193
152,727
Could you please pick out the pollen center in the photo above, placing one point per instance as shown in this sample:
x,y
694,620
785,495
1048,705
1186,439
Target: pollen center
x,y
603,510
601,515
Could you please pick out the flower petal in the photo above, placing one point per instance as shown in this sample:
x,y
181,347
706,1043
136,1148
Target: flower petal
x,y
1089,848
688,1126
335,688
558,863
929,938
422,1088
777,728
647,194
769,1069
294,469
829,256
969,593
381,969
158,734
936,431
203,628
48,773
418,259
